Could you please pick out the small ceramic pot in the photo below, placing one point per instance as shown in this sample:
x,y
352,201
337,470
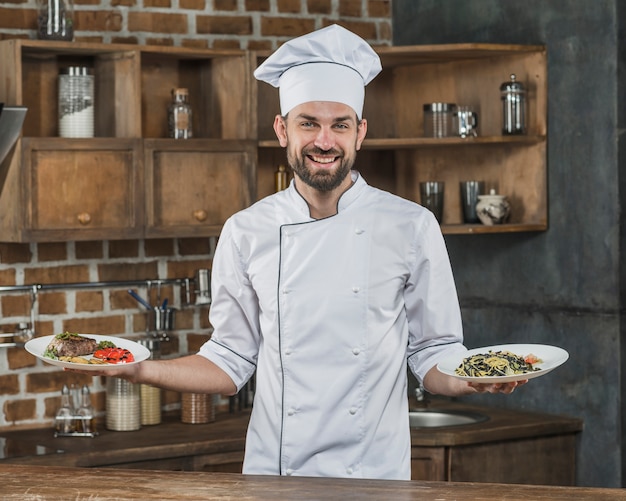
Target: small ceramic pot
x,y
493,209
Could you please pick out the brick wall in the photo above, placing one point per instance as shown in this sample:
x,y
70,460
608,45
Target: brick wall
x,y
30,390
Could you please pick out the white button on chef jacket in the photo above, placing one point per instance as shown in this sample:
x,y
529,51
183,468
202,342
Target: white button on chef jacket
x,y
373,281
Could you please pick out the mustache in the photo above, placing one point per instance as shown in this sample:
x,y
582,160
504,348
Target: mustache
x,y
319,151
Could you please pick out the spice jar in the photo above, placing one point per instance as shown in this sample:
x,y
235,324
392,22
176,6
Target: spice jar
x,y
64,419
439,119
55,20
76,102
179,115
123,404
513,96
151,395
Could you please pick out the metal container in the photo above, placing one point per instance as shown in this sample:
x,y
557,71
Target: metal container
x,y
123,404
202,282
513,96
76,102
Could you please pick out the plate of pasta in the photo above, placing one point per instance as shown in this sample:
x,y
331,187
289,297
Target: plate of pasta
x,y
504,363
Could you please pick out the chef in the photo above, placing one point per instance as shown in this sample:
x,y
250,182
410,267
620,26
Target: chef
x,y
326,290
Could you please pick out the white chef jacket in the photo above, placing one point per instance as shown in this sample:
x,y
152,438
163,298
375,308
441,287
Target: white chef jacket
x,y
328,312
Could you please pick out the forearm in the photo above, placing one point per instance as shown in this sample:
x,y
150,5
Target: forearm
x,y
439,383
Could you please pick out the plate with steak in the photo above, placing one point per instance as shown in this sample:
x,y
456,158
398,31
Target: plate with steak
x,y
86,351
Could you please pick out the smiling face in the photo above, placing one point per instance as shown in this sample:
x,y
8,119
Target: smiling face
x,y
322,139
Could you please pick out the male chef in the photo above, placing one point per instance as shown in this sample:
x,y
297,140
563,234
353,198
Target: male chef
x,y
326,290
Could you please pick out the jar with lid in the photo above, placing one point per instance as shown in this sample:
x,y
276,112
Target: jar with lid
x,y
513,96
55,20
64,419
123,405
180,115
151,395
197,408
85,416
76,102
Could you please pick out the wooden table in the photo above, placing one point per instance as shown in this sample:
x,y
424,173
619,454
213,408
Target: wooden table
x,y
27,482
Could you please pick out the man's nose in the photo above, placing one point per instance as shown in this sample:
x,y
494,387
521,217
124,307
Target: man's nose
x,y
325,139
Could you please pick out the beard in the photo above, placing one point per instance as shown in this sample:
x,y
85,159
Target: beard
x,y
321,180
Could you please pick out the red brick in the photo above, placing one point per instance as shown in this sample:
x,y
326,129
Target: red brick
x,y
18,18
125,40
45,382
98,20
379,8
195,341
224,5
157,3
15,253
57,274
52,303
194,43
286,26
9,384
186,269
88,250
19,358
159,247
257,5
55,251
263,45
289,6
123,248
319,6
193,246
126,271
226,44
162,41
112,325
122,300
15,305
89,301
192,4
7,277
224,25
20,410
156,22
350,8
123,3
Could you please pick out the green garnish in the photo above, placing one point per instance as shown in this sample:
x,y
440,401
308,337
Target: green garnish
x,y
66,335
106,344
50,354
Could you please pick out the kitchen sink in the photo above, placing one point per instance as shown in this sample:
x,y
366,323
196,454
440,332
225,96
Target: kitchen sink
x,y
439,418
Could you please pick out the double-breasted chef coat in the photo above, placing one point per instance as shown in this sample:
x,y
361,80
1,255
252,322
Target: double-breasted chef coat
x,y
328,313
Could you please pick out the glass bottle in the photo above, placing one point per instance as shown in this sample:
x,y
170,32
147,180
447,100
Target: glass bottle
x,y
55,20
513,96
151,395
123,403
180,115
64,420
85,422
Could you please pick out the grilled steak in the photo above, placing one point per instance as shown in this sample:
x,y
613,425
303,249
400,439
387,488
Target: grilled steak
x,y
72,345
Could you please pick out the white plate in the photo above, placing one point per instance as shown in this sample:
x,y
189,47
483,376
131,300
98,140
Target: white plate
x,y
38,345
551,357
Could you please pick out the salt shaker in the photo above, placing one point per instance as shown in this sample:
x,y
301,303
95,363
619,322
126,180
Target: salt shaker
x,y
513,96
64,420
86,422
179,115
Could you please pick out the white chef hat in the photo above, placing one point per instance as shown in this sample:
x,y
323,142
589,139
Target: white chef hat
x,y
331,64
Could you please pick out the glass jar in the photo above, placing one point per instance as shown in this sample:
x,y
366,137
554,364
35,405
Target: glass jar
x,y
55,20
151,395
123,404
76,102
439,119
64,419
180,115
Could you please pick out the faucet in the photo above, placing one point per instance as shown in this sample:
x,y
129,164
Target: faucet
x,y
421,395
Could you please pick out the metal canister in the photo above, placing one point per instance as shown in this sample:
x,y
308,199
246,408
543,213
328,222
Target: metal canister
x,y
513,96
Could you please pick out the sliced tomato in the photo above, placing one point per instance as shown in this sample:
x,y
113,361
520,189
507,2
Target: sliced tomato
x,y
531,359
114,355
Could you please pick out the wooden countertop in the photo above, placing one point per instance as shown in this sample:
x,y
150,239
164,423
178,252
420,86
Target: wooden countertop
x,y
27,482
172,438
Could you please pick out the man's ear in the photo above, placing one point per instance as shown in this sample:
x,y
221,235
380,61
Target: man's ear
x,y
280,128
361,132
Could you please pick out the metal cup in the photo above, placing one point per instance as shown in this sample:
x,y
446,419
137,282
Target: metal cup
x,y
431,196
466,121
203,286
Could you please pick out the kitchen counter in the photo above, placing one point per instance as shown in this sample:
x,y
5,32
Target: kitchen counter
x,y
226,437
58,483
